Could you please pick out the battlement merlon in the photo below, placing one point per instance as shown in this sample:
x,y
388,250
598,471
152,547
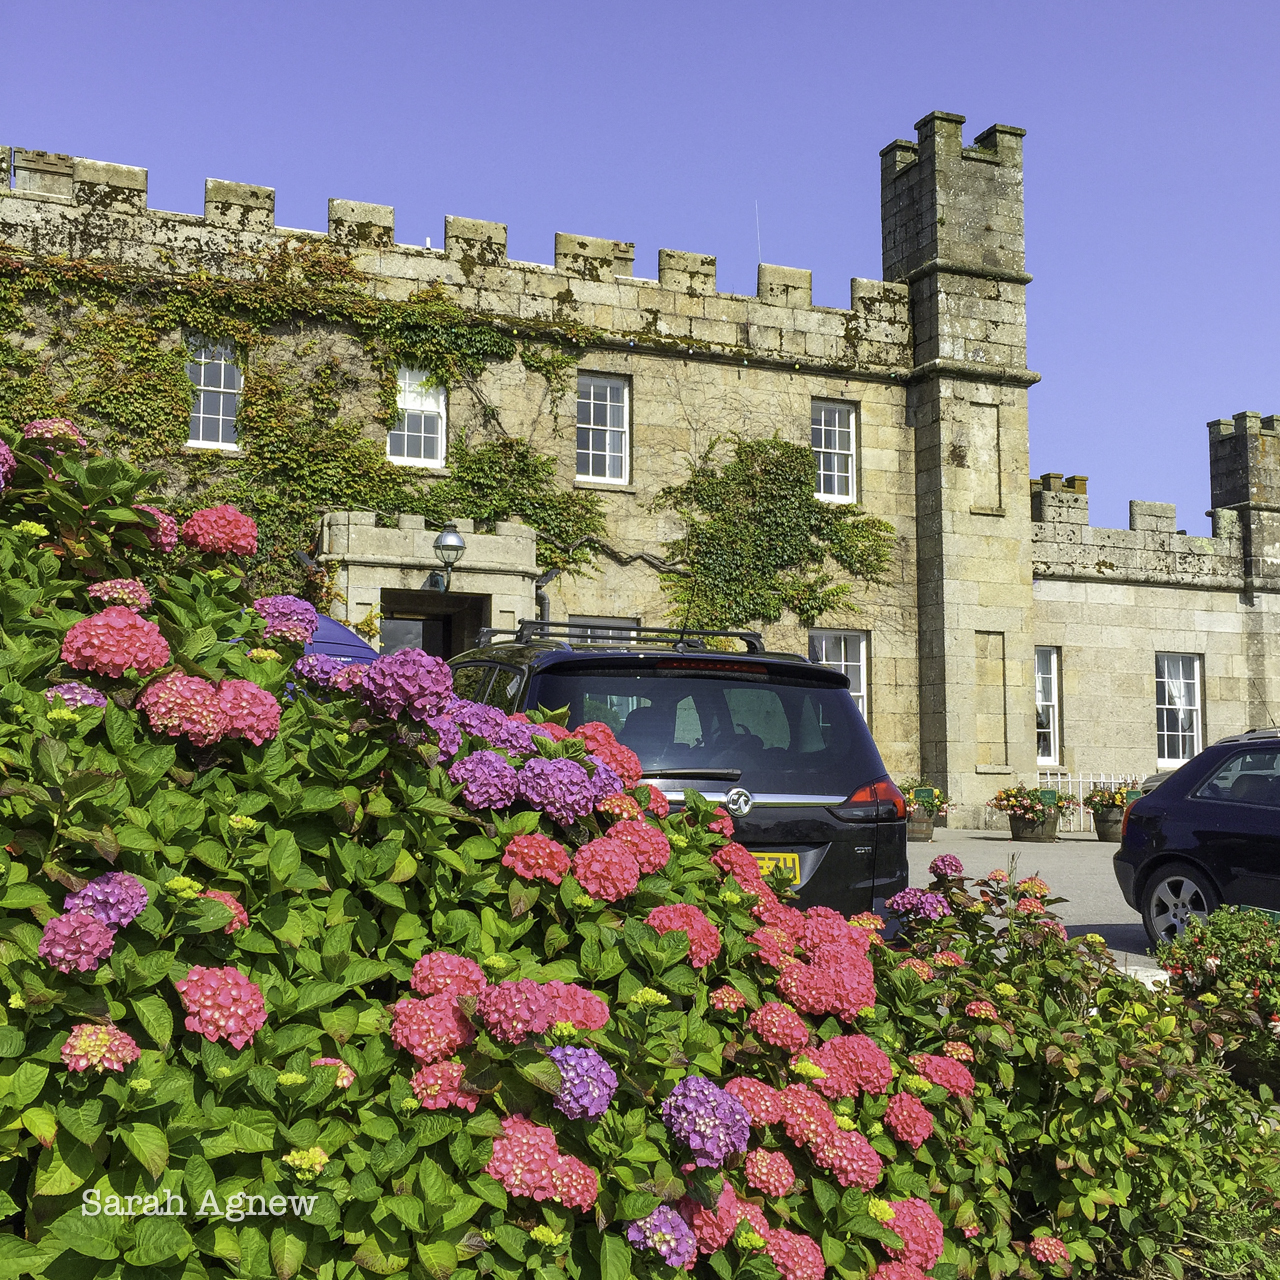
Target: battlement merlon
x,y
1244,461
67,206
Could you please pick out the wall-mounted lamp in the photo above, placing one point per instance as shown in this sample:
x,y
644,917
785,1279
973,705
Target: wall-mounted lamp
x,y
450,546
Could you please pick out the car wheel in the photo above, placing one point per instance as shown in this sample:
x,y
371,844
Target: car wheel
x,y
1174,894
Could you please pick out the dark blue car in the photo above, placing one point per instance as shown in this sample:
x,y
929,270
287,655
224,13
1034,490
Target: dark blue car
x,y
1208,834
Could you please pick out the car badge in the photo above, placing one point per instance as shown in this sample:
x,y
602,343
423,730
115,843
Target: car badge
x,y
739,802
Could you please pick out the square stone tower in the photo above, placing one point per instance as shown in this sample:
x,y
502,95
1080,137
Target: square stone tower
x,y
952,231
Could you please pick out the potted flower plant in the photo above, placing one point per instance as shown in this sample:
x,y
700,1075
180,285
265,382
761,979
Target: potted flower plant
x,y
1107,804
1033,815
924,803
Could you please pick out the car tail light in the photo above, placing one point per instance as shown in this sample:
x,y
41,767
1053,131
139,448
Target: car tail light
x,y
878,800
1124,821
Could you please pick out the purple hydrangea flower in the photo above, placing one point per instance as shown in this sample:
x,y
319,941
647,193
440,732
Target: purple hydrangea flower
x,y
448,735
116,898
587,1082
712,1123
489,780
319,668
75,694
560,788
492,725
351,676
408,681
77,941
604,782
946,865
289,617
8,465
665,1231
919,903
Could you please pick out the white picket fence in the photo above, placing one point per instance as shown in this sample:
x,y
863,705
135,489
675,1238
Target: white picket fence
x,y
1078,785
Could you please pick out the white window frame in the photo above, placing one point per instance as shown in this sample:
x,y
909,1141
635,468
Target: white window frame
x,y
1186,704
1049,694
617,437
202,357
424,401
827,457
848,652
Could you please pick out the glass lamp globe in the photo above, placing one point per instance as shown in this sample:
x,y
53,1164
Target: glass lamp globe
x,y
449,545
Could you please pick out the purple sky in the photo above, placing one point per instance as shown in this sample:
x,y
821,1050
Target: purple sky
x,y
1151,160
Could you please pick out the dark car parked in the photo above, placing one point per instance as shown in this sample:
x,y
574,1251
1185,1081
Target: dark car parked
x,y
773,737
1206,835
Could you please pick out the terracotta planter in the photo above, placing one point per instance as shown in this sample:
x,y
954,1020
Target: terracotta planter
x,y
920,830
1043,832
1106,822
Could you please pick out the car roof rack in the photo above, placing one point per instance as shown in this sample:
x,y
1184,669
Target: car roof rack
x,y
572,635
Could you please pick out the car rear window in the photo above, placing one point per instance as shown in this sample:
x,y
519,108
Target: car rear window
x,y
1252,777
782,734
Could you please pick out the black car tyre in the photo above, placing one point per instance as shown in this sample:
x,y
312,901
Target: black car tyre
x,y
1175,893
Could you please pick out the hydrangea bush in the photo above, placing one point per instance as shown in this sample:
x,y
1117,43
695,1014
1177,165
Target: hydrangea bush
x,y
321,973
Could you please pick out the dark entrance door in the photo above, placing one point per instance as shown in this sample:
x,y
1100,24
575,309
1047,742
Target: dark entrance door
x,y
444,624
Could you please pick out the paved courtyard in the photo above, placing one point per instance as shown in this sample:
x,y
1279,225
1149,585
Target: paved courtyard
x,y
1077,867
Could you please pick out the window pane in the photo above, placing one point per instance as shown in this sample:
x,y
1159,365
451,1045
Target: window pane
x,y
602,434
845,651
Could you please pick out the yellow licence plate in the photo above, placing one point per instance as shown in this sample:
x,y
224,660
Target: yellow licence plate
x,y
790,862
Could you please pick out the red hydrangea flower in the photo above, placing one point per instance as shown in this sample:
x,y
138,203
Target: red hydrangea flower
x,y
738,862
239,916
251,711
777,915
443,971
953,1076
179,703
908,1119
805,1116
822,924
762,1102
808,986
222,1004
850,1157
1048,1249
601,743
901,1270
511,1010
854,1064
222,531
658,804
568,1002
649,846
723,824
712,1228
537,857
775,947
432,1029
77,940
777,1025
437,1086
921,1233
606,869
164,537
102,1048
619,805
727,999
128,592
346,1077
114,640
704,937
797,1257
769,1171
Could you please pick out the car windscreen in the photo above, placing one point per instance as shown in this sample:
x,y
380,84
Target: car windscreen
x,y
780,734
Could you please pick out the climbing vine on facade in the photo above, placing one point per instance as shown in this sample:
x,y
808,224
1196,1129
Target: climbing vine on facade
x,y
757,541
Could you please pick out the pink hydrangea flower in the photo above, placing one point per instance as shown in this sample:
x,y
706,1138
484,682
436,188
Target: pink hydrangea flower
x,y
251,712
606,869
618,805
511,1011
958,1050
8,465
438,1085
849,1156
164,537
762,1102
921,1233
704,937
854,1064
573,1183
659,805
537,857
776,948
778,1025
1048,1249
723,824
568,1002
346,1077
440,972
178,703
948,959
128,592
222,1004
769,1171
908,1119
983,1010
527,1161
797,1257
114,640
712,1228
649,846
953,1076
77,940
601,743
239,916
100,1048
432,1029
223,531
727,999
921,968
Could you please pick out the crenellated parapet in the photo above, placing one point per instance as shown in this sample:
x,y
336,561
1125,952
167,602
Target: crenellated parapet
x,y
66,206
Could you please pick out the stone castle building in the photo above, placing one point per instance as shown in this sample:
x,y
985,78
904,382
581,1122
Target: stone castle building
x,y
1013,638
